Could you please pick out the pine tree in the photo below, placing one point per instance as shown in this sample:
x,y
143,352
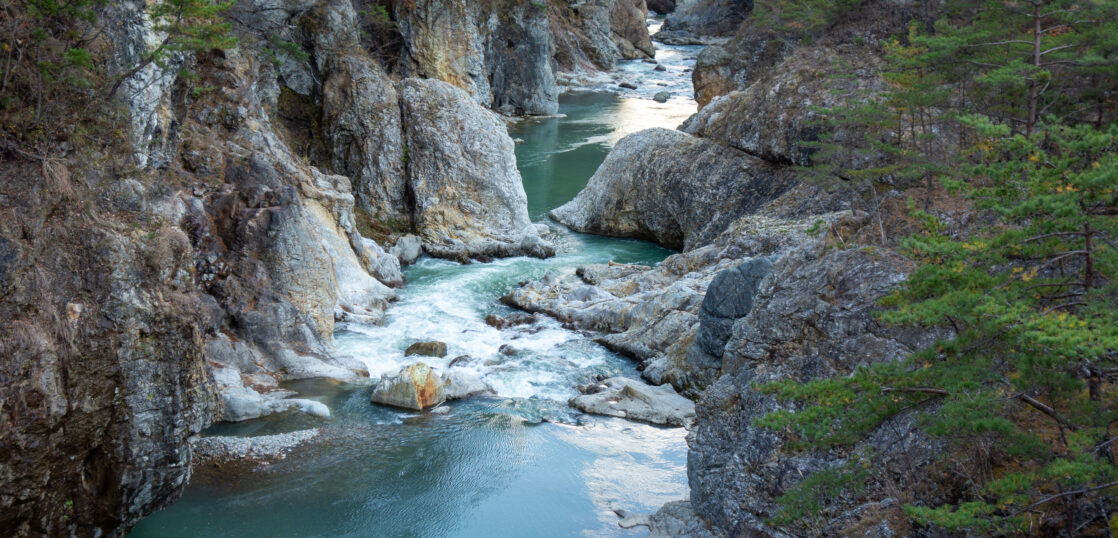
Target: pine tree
x,y
1018,61
1031,372
1027,382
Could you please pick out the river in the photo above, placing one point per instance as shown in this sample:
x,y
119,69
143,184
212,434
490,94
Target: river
x,y
519,464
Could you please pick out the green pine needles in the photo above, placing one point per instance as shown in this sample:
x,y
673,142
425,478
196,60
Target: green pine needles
x,y
1026,382
186,26
1031,371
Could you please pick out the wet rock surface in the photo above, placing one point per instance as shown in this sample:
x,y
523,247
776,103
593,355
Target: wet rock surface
x,y
635,400
416,387
427,349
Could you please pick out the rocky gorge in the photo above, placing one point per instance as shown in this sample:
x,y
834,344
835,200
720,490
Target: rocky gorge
x,y
366,264
274,192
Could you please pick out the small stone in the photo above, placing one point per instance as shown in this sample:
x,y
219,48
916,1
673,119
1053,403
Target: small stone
x,y
661,97
427,349
628,85
659,68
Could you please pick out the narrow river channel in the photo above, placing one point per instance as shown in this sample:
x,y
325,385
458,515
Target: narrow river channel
x,y
519,464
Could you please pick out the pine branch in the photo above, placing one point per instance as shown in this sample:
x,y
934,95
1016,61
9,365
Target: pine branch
x,y
919,390
1080,491
1052,413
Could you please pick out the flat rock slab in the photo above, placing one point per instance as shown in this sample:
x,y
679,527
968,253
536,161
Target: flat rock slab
x,y
634,400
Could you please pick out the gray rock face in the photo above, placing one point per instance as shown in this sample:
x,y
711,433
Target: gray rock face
x,y
634,400
725,67
728,298
592,35
364,132
628,24
706,17
775,114
811,318
104,376
469,198
498,52
671,188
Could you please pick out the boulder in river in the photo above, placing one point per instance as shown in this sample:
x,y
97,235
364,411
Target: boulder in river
x,y
662,97
634,400
460,383
407,249
468,194
427,349
416,386
504,322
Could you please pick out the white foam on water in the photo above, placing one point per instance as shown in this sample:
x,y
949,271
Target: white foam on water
x,y
448,302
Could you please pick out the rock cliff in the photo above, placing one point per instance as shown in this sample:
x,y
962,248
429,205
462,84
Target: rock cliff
x,y
174,268
509,54
677,190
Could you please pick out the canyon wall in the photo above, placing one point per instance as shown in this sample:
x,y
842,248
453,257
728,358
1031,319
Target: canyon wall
x,y
175,271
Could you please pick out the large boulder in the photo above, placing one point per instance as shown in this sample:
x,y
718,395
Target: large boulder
x,y
672,188
777,116
416,386
468,195
634,400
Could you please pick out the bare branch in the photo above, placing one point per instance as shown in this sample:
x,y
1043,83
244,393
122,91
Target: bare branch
x,y
1052,413
921,390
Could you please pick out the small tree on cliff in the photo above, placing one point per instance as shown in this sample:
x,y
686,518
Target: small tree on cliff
x,y
187,26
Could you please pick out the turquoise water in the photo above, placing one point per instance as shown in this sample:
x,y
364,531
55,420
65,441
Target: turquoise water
x,y
521,463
